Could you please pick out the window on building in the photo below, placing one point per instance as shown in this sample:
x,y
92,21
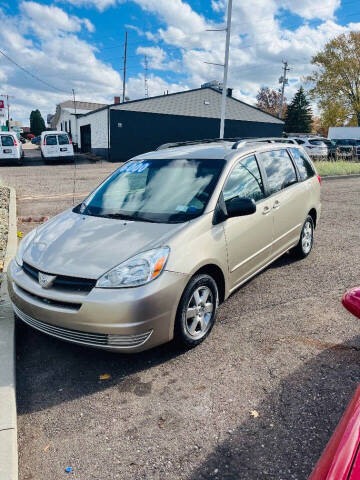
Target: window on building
x,y
279,168
244,181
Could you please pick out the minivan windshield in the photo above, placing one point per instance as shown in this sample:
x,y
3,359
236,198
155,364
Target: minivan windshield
x,y
155,190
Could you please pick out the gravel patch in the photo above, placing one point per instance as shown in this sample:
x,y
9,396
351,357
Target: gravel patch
x,y
4,208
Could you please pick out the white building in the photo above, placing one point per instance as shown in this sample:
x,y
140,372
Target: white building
x,y
65,119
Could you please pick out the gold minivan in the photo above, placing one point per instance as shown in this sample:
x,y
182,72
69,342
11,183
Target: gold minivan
x,y
149,255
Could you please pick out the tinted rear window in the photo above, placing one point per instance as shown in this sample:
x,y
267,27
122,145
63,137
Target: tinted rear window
x,y
7,141
63,139
317,142
279,168
302,163
51,140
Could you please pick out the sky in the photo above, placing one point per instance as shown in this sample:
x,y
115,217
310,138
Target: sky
x,y
79,44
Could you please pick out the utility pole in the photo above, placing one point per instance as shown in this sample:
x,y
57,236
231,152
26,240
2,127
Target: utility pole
x,y
284,81
76,135
226,67
146,77
124,76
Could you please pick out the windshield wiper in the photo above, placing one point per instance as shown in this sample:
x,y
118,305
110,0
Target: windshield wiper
x,y
122,216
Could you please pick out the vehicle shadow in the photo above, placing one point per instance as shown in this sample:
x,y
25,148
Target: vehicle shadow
x,y
51,371
295,421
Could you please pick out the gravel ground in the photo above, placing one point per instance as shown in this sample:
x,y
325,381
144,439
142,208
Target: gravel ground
x,y
283,346
4,207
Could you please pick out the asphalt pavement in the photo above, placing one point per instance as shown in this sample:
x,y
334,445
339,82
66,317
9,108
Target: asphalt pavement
x,y
257,400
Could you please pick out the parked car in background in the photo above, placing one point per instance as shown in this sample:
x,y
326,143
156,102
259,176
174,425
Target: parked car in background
x,y
56,146
36,140
22,140
150,253
314,146
341,459
348,146
10,148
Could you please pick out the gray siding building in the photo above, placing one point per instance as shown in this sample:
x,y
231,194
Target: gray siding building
x,y
121,131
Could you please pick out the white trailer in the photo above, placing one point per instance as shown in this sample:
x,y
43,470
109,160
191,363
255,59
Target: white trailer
x,y
337,133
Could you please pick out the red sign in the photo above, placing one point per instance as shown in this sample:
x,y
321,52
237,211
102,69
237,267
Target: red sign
x,y
2,104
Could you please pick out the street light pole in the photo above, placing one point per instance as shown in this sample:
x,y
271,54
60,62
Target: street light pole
x,y
226,67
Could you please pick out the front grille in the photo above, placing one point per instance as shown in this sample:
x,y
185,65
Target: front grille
x,y
84,338
48,301
63,282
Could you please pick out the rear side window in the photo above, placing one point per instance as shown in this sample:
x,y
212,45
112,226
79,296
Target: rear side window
x,y
279,168
63,139
302,163
316,142
300,142
244,181
50,140
7,140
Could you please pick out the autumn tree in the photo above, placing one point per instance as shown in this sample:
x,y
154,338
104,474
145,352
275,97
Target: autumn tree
x,y
298,116
269,101
336,78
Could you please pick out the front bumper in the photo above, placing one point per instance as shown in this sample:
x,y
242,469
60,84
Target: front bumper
x,y
126,319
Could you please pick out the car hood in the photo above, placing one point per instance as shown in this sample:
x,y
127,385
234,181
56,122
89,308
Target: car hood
x,y
84,246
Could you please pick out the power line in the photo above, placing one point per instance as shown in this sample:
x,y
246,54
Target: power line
x,y
31,74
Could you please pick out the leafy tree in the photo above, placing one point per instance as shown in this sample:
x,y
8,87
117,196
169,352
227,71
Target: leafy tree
x,y
270,101
336,78
298,117
332,114
37,124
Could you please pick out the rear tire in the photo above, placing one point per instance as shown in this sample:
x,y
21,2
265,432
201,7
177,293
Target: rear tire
x,y
196,313
304,247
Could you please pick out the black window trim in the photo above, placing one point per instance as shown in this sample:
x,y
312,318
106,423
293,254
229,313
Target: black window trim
x,y
265,178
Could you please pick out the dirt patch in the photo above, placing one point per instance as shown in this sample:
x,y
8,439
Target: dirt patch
x,y
4,224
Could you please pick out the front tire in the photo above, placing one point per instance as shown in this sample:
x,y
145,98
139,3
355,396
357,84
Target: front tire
x,y
304,247
196,314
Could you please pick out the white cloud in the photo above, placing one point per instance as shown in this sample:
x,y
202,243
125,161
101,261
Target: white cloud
x,y
56,55
46,20
158,59
101,5
156,85
259,43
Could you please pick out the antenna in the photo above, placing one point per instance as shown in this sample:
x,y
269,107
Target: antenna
x,y
146,65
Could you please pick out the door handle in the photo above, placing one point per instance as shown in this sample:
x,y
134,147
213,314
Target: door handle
x,y
266,210
276,204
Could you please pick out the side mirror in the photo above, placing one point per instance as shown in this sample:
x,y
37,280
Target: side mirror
x,y
239,207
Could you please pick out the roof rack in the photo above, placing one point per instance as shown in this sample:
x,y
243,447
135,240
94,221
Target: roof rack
x,y
244,141
237,141
195,142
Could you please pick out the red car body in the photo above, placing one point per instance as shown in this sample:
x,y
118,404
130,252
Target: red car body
x,y
341,459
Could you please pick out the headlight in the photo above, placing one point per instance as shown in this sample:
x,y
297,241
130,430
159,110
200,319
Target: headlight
x,y
25,242
138,270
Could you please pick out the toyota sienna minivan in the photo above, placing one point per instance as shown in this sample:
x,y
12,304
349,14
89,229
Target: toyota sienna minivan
x,y
148,256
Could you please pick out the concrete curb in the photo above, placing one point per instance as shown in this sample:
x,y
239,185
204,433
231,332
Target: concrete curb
x,y
8,423
340,177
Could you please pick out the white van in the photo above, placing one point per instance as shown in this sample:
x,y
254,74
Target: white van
x,y
10,148
56,145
